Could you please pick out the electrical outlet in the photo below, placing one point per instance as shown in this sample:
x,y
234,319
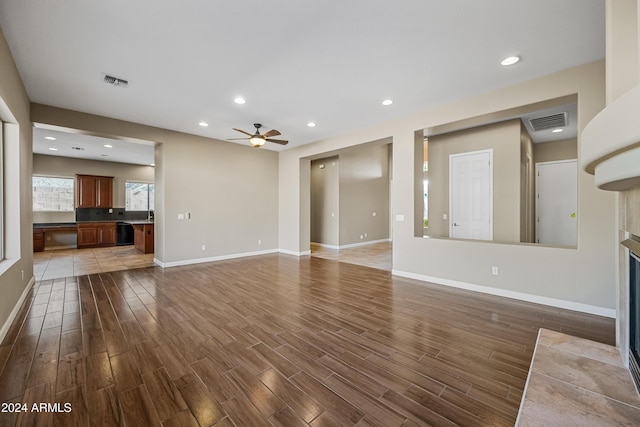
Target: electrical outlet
x,y
259,241
204,247
365,234
494,271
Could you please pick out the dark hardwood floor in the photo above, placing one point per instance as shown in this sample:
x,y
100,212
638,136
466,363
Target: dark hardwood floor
x,y
271,340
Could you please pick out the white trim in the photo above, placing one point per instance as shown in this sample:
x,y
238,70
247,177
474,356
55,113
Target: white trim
x,y
16,309
537,299
211,259
324,245
371,242
351,245
288,252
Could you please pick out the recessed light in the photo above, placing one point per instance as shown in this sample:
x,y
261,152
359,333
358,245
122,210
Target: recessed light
x,y
203,124
108,146
510,60
239,100
311,124
53,149
50,138
557,130
387,102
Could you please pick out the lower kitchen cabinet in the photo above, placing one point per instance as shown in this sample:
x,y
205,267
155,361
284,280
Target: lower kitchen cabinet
x,y
38,240
143,237
96,234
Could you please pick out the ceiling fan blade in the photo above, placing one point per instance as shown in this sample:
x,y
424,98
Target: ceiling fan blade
x,y
278,141
236,139
271,133
241,131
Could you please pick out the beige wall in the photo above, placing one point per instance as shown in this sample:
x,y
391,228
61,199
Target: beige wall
x,y
325,195
230,190
364,191
581,278
566,149
16,269
350,196
503,139
623,74
69,167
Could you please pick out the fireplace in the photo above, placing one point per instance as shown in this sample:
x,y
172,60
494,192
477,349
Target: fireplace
x,y
634,317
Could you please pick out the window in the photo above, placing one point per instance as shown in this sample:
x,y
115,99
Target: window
x,y
53,194
139,196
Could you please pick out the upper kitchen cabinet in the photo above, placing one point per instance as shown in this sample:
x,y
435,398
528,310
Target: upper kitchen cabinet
x,y
95,191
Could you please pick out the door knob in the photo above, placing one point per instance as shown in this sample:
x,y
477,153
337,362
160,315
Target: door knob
x,y
455,224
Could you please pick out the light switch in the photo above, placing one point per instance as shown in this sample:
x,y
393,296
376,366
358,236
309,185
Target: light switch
x,y
180,216
400,218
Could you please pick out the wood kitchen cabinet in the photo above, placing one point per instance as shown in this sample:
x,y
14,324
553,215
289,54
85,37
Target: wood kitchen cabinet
x,y
143,236
96,234
38,240
95,191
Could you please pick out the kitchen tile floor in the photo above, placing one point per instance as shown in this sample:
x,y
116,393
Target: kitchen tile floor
x,y
73,262
375,255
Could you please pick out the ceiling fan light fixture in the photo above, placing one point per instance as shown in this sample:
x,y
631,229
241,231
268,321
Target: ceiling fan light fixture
x,y
257,141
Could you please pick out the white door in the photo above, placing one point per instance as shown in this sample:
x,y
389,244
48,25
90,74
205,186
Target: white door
x,y
557,202
471,195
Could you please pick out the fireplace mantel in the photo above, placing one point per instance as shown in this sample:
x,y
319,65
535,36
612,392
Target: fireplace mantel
x,y
610,144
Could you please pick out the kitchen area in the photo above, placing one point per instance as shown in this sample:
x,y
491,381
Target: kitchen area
x,y
90,215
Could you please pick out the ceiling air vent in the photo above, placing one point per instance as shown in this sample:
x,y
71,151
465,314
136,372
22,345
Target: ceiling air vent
x,y
548,122
115,81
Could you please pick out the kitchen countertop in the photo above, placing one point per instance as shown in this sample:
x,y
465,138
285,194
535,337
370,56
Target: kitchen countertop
x,y
75,224
54,224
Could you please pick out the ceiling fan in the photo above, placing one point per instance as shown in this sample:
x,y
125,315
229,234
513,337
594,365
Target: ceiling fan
x,y
258,140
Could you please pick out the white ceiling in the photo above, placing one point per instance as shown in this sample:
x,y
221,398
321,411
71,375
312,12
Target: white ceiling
x,y
294,61
82,146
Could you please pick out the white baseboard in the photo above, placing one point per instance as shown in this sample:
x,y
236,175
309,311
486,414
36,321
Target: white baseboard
x,y
371,242
352,245
212,259
325,245
294,253
16,309
537,299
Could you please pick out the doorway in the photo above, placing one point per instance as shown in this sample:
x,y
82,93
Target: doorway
x,y
557,202
471,195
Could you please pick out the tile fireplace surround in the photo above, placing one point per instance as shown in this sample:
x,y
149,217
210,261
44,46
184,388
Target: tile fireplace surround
x,y
574,381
